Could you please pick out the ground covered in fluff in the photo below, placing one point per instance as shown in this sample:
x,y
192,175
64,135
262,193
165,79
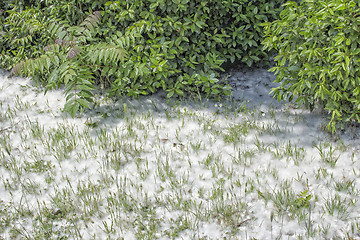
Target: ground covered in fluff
x,y
151,169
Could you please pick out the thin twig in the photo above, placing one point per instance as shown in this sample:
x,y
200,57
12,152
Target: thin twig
x,y
4,129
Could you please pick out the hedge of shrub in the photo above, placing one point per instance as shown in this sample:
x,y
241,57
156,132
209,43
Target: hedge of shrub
x,y
318,47
132,47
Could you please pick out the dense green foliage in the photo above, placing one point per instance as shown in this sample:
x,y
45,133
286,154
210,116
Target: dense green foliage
x,y
318,56
179,46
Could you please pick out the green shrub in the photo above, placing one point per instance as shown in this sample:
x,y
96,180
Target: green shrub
x,y
317,62
178,46
21,36
71,60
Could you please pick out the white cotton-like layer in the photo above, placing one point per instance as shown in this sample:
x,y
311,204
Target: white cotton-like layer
x,y
193,146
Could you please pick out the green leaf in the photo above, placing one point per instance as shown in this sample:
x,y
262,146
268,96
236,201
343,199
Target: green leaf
x,y
72,107
170,94
82,102
179,92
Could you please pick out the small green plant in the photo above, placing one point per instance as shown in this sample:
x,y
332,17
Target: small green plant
x,y
336,206
303,199
329,156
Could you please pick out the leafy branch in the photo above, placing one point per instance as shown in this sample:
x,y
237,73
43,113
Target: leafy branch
x,y
65,61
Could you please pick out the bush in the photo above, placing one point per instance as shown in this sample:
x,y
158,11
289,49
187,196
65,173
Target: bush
x,y
317,62
179,46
